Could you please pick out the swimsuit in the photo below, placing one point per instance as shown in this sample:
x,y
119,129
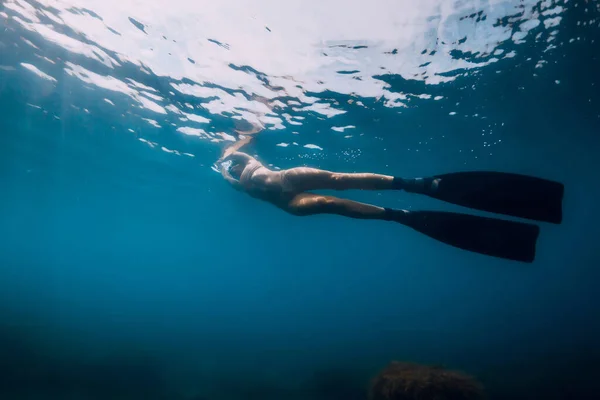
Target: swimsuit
x,y
256,177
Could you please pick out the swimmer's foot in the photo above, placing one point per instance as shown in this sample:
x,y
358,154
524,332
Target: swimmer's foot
x,y
498,192
493,237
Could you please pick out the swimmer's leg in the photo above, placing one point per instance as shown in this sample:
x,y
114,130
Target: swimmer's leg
x,y
303,179
503,193
494,237
305,204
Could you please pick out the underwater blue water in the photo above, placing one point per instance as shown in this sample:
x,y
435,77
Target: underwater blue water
x,y
130,269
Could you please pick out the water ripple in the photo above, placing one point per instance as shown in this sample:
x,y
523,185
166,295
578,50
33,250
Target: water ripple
x,y
194,65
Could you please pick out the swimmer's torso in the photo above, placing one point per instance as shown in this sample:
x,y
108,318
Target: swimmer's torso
x,y
259,180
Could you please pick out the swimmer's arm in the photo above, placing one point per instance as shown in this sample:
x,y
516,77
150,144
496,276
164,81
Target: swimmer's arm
x,y
245,138
234,148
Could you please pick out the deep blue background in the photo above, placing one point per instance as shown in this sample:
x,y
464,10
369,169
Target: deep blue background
x,y
126,268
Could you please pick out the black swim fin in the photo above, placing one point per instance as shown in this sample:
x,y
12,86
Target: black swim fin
x,y
493,237
498,192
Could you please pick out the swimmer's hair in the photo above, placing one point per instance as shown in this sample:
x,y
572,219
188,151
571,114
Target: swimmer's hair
x,y
410,381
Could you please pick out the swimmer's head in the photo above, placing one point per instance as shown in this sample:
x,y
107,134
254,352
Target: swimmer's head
x,y
236,169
